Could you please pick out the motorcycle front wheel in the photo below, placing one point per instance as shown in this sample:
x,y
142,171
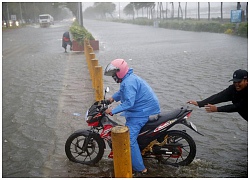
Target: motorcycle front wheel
x,y
84,148
180,149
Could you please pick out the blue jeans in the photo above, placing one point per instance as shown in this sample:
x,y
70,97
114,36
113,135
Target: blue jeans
x,y
135,124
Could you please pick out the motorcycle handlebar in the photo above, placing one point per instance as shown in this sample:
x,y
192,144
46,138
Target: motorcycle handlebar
x,y
105,102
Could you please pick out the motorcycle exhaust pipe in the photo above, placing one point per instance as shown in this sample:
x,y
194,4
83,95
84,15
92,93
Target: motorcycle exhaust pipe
x,y
163,152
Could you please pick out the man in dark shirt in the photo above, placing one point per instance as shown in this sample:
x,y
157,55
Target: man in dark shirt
x,y
237,93
66,41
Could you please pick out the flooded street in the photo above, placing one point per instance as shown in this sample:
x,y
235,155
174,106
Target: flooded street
x,y
46,93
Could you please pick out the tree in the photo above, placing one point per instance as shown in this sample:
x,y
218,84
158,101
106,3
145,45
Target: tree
x,y
90,13
103,8
180,11
160,6
142,7
73,6
137,6
172,11
150,6
129,10
29,11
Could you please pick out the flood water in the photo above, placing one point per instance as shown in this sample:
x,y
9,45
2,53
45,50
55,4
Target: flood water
x,y
46,93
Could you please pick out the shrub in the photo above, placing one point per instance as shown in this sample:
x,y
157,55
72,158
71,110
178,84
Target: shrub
x,y
214,25
243,29
229,31
80,33
206,26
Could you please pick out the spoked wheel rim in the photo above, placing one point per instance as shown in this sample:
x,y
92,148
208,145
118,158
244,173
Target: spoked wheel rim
x,y
78,146
182,147
81,155
76,152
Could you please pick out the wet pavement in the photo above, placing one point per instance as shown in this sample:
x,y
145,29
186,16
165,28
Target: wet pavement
x,y
46,93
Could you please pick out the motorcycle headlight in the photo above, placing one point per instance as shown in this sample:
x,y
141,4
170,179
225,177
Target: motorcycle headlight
x,y
88,119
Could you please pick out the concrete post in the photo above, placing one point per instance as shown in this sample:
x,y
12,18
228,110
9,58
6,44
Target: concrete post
x,y
94,63
98,83
121,151
90,65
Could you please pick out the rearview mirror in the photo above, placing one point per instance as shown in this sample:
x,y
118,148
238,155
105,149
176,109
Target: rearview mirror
x,y
107,89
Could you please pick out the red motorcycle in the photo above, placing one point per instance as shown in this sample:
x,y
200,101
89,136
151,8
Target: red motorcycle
x,y
156,140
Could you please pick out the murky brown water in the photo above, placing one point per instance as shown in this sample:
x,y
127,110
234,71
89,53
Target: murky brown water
x,y
43,88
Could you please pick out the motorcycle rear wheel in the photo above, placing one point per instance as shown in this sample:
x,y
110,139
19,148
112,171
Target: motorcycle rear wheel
x,y
182,146
74,148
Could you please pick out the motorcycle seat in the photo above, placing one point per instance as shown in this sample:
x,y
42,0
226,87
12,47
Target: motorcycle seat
x,y
163,117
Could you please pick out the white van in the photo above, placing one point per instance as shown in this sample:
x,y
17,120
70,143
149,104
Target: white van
x,y
45,20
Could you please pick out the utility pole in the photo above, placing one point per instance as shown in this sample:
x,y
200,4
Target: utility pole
x,y
221,10
198,11
34,12
247,12
8,12
21,14
80,13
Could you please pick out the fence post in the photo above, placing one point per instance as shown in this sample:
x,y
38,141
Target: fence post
x,y
121,152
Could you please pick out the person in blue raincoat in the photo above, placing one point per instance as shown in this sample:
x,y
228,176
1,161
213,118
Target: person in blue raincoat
x,y
138,102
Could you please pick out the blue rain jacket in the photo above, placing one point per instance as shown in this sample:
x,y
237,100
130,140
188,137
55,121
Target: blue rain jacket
x,y
136,96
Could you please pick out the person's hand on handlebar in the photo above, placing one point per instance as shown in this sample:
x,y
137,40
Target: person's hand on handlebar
x,y
111,100
108,101
109,111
